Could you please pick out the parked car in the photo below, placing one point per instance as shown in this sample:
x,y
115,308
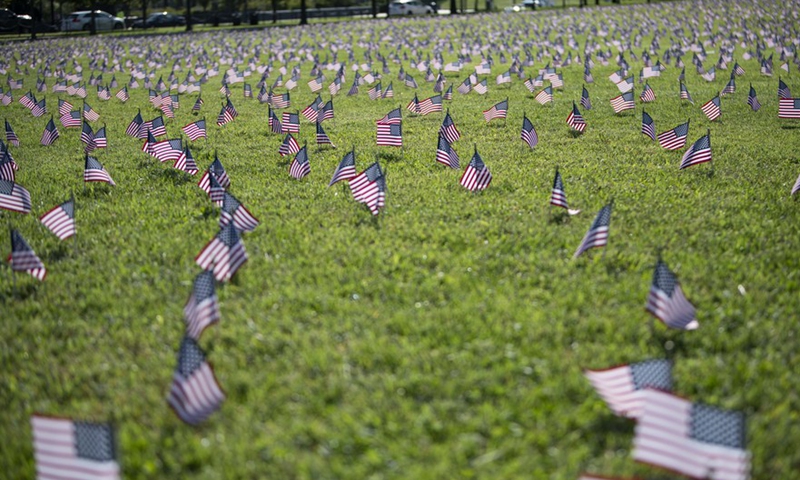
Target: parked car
x,y
82,20
409,7
11,22
529,5
160,19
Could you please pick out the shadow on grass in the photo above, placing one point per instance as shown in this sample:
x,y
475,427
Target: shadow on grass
x,y
790,127
25,288
178,177
390,157
95,190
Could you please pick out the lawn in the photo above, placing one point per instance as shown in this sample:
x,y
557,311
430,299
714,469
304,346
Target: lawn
x,y
445,337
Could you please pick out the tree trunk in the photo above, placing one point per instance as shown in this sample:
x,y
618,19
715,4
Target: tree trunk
x,y
303,13
374,8
188,15
144,14
453,7
92,23
274,11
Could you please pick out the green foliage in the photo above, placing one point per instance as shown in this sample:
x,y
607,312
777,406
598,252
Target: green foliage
x,y
443,339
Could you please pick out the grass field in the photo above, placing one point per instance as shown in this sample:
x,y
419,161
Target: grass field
x,y
445,338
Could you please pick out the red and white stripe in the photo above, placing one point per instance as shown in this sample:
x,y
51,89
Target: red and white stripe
x,y
58,222
196,397
615,385
56,454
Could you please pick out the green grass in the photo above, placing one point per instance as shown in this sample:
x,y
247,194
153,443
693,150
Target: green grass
x,y
445,338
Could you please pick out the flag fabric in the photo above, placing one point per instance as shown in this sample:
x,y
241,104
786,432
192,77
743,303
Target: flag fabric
x,y
374,93
225,116
699,153
300,166
155,126
234,211
712,108
558,198
274,122
68,449
393,117
413,105
39,108
465,87
752,99
322,137
369,187
346,168
14,197
202,307
626,85
685,94
64,107
692,439
87,137
134,127
122,95
100,139
448,129
311,111
445,153
24,259
674,139
789,108
166,150
281,101
71,119
290,122
545,96
448,94
575,119
197,104
8,167
409,81
666,301
224,254
585,102
50,133
528,134
622,387
482,87
288,146
597,236
499,110
389,92
476,176
195,393
248,91
89,113
647,95
623,102
390,134
730,88
738,70
796,186
326,112
195,130
648,126
783,90
11,137
186,162
430,105
93,171
216,172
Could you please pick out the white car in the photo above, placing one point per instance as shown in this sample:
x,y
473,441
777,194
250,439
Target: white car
x,y
409,7
81,21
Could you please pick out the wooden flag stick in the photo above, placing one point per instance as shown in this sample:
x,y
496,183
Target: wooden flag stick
x,y
708,134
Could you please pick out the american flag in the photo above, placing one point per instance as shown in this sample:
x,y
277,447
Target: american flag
x,y
23,258
135,126
710,75
369,187
783,90
597,236
499,110
587,75
89,113
103,93
448,94
430,105
353,88
11,137
389,92
409,81
375,92
623,102
326,112
752,99
448,129
440,83
155,126
346,168
290,122
395,116
300,166
225,116
225,89
39,108
195,130
316,84
445,153
167,110
482,87
666,300
545,96
585,102
575,119
311,111
476,176
166,150
558,198
322,137
202,308
528,134
224,254
186,162
335,85
692,439
71,119
195,393
712,108
699,153
14,197
64,107
248,91
622,387
465,87
87,137
61,219
674,139
796,186
234,211
27,100
289,146
7,167
390,134
789,108
730,88
685,94
50,133
93,171
122,94
68,449
413,105
60,87
625,85
647,95
197,104
738,70
648,126
504,78
262,96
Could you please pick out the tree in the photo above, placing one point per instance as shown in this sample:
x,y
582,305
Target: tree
x,y
453,7
188,15
303,13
